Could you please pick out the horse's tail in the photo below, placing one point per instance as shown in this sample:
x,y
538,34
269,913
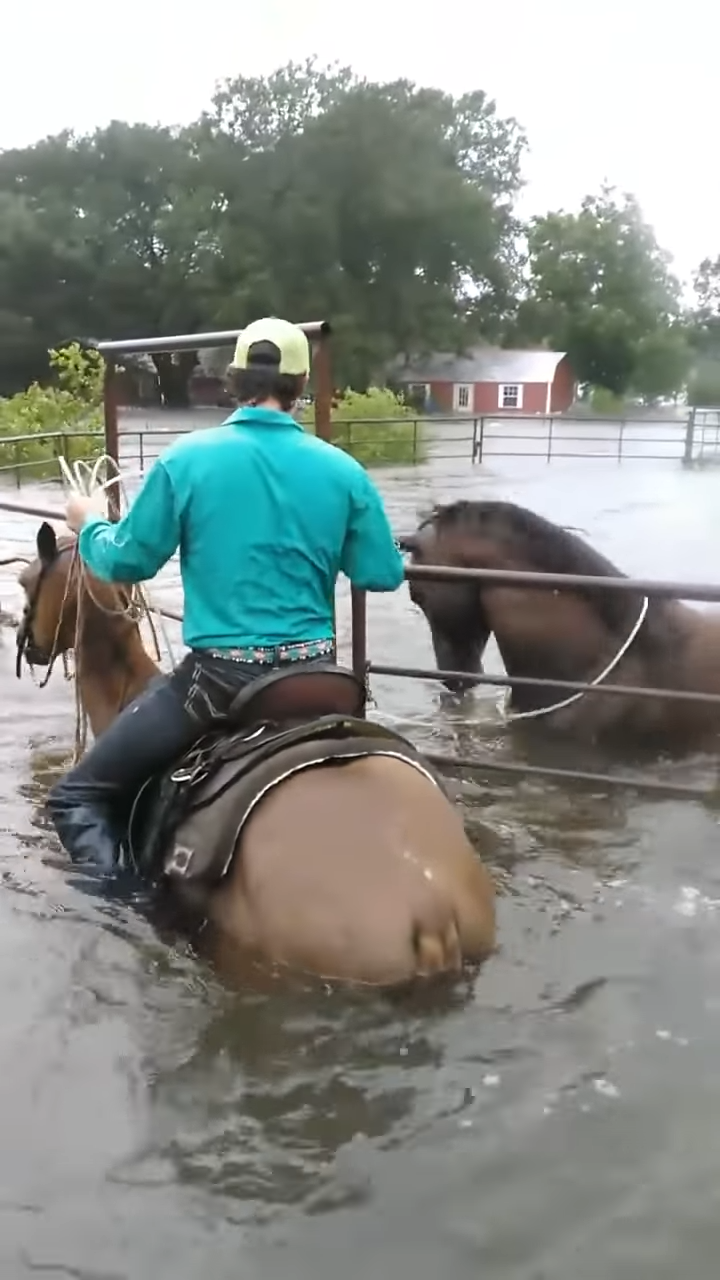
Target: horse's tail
x,y
438,952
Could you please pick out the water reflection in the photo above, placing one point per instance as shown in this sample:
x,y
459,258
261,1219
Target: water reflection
x,y
548,1118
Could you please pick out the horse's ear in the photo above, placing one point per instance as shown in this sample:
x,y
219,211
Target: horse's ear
x,y
47,548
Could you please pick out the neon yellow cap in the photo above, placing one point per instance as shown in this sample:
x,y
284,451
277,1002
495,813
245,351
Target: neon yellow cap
x,y
274,344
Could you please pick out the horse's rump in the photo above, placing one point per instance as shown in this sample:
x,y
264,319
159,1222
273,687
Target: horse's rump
x,y
186,825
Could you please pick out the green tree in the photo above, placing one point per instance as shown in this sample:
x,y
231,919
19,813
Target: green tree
x,y
256,113
663,360
308,193
44,286
704,317
385,207
125,207
599,287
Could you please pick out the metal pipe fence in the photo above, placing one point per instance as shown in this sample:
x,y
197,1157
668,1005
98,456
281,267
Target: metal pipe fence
x,y
374,441
593,438
702,439
34,456
551,582
413,440
477,438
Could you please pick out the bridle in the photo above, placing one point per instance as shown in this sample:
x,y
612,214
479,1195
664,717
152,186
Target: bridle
x,y
24,644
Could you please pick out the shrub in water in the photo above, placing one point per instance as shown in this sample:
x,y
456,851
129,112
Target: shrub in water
x,y
71,406
375,426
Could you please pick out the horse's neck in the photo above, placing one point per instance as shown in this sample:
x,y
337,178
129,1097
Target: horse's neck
x,y
545,635
701,632
112,666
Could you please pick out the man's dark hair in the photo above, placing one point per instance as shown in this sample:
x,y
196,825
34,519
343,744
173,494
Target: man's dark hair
x,y
254,385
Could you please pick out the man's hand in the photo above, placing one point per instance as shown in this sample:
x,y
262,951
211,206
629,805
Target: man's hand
x,y
79,507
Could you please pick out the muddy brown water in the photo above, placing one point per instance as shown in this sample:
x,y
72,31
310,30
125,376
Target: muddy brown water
x,y
553,1119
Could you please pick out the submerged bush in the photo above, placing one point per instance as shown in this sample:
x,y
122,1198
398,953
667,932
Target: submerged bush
x,y
71,406
375,426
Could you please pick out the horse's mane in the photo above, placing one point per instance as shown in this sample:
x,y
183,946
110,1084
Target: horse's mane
x,y
549,548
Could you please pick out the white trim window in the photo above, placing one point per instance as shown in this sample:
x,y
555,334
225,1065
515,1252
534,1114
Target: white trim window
x,y
462,397
510,395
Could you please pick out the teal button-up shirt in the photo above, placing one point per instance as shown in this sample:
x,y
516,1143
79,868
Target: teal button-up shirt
x,y
265,516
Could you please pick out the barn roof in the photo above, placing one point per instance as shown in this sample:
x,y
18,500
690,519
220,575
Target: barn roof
x,y
481,364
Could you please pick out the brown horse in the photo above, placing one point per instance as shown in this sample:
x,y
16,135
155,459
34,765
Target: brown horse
x,y
605,637
330,847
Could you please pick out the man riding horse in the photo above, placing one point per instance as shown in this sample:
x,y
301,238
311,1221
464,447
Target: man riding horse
x,y
265,516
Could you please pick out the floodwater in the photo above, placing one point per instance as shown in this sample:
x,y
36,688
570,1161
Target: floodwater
x,y
553,1119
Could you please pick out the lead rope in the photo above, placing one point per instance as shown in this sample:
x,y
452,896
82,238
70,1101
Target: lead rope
x,y
511,716
85,479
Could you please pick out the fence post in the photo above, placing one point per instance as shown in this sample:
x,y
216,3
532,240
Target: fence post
x,y
358,613
551,421
112,434
620,439
323,388
415,439
689,439
478,439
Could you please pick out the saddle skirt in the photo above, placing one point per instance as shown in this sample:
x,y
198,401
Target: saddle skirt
x,y
186,824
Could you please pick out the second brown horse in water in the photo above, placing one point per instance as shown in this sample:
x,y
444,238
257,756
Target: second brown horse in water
x,y
605,637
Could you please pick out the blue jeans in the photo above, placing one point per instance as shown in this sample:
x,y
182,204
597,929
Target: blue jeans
x,y
89,807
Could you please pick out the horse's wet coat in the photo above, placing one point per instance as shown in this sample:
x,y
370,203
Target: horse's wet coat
x,y
578,635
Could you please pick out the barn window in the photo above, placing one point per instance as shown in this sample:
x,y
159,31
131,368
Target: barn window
x,y
510,396
419,393
462,393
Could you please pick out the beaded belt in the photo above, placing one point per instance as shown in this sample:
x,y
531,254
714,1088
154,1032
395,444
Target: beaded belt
x,y
274,655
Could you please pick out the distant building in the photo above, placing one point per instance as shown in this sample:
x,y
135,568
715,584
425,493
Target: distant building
x,y
489,380
208,390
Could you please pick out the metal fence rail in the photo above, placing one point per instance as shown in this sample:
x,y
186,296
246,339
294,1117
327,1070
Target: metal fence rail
x,y
561,436
35,456
374,441
702,441
477,438
551,582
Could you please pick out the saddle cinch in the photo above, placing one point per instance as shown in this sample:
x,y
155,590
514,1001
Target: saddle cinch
x,y
278,725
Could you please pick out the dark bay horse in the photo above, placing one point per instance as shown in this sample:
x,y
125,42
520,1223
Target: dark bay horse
x,y
612,637
311,838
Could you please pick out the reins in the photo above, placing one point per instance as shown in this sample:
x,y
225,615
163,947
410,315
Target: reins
x,y
135,610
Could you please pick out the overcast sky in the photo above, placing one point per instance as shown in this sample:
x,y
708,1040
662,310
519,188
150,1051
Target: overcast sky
x,y
627,90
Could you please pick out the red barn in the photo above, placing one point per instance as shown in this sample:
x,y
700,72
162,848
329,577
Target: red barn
x,y
489,380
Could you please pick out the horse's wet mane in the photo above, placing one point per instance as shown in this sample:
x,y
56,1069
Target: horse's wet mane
x,y
549,548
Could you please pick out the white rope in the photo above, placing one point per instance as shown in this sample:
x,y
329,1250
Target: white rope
x,y
85,478
510,716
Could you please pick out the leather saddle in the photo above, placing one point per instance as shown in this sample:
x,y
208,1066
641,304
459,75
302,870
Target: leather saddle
x,y
282,709
299,694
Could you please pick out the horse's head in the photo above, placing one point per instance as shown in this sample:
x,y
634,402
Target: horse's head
x,y
539,632
50,583
454,610
58,594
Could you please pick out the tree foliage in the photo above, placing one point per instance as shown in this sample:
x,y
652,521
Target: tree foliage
x,y
387,208
376,426
601,289
307,193
72,405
